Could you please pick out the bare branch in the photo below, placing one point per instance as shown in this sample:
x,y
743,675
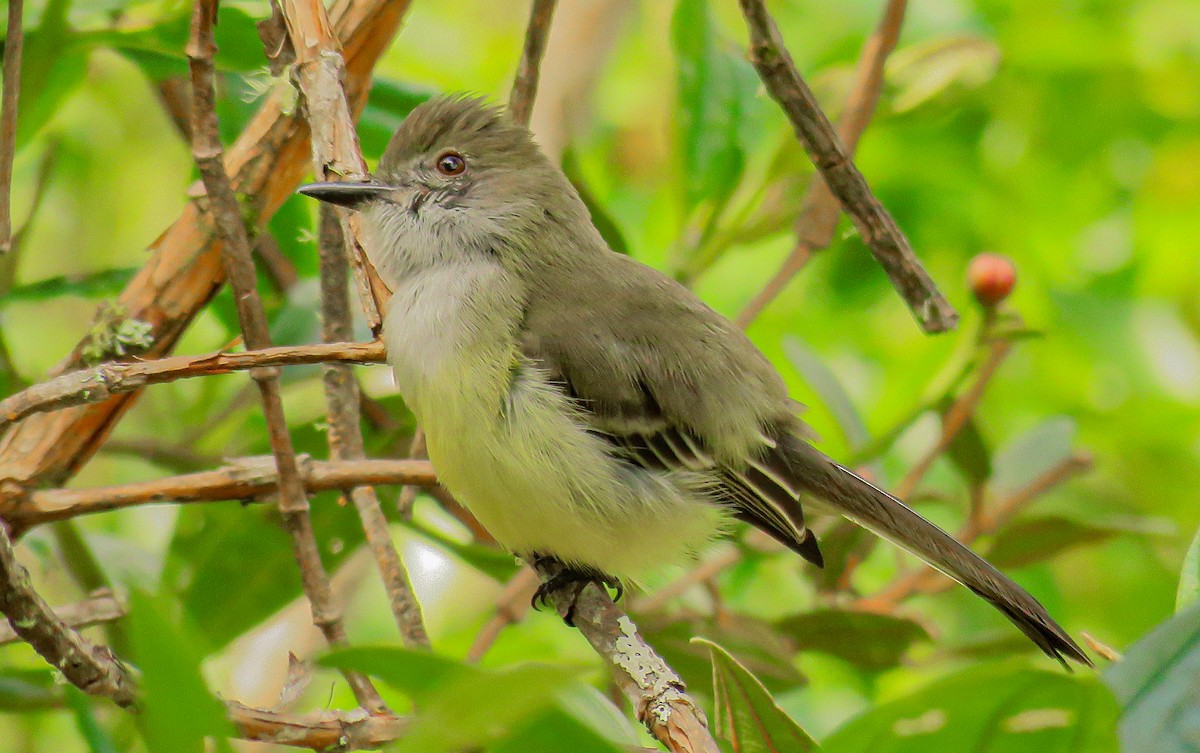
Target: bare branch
x,y
520,101
106,380
239,268
653,688
246,479
97,608
91,668
345,435
324,730
408,495
13,44
818,218
878,229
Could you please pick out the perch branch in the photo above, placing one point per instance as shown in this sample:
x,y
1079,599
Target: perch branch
x,y
653,688
345,435
321,731
878,229
246,479
102,382
97,608
520,101
91,668
239,269
13,43
819,214
926,580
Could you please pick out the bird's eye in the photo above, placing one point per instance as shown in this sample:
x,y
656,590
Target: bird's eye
x,y
451,163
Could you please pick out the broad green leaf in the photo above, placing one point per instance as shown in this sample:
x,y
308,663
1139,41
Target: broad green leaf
x,y
388,104
97,739
102,284
923,71
1034,539
460,706
745,714
1003,708
718,110
1029,455
238,45
1156,682
757,644
969,453
179,710
584,721
870,641
1189,576
53,64
826,384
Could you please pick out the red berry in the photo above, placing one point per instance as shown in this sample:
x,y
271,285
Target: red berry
x,y
991,277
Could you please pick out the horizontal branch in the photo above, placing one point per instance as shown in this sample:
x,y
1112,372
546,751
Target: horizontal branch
x,y
101,606
246,479
324,730
102,382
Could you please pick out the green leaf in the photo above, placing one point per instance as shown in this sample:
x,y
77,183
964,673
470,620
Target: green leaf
x,y
604,222
969,453
388,104
1038,538
179,710
102,284
53,65
1156,682
718,109
826,384
1032,453
1189,577
29,689
745,714
1003,708
871,641
920,72
98,741
486,559
460,706
756,643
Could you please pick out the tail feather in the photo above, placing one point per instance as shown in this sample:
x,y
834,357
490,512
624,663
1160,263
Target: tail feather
x,y
889,518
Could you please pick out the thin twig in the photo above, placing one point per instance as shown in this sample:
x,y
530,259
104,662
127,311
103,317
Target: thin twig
x,y
926,580
654,689
247,479
818,218
102,382
91,668
408,495
239,269
345,435
97,608
956,417
13,43
511,608
322,730
879,231
520,101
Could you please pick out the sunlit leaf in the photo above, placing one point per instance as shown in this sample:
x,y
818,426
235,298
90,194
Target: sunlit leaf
x,y
179,710
826,384
745,714
1189,576
1156,682
923,71
1002,708
717,99
865,639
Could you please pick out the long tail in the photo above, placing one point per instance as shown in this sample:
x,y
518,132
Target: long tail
x,y
888,517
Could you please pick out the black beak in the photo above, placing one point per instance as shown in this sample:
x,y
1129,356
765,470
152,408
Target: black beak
x,y
351,195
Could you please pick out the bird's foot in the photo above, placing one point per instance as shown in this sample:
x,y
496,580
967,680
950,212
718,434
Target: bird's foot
x,y
570,581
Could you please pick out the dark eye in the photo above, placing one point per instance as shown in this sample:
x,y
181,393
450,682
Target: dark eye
x,y
451,163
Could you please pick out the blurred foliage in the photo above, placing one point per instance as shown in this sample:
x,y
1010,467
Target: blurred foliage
x,y
1063,136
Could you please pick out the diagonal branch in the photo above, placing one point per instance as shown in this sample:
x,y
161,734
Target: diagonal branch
x,y
93,669
879,231
819,213
239,268
524,90
99,607
109,379
13,43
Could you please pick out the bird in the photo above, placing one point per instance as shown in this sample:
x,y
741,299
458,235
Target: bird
x,y
588,409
